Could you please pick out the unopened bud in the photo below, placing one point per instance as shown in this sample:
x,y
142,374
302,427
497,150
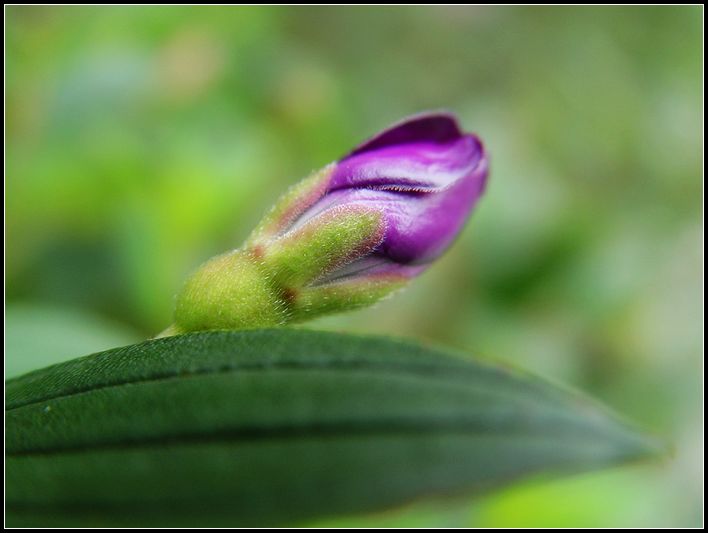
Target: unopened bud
x,y
348,235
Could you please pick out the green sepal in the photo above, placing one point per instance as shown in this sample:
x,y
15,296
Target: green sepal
x,y
328,241
230,291
344,295
291,205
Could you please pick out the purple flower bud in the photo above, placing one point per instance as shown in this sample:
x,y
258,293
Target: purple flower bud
x,y
347,236
424,175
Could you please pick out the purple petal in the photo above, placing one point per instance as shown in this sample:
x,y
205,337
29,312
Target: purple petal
x,y
425,175
424,127
421,223
421,166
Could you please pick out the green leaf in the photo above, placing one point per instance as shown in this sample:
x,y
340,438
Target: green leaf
x,y
271,426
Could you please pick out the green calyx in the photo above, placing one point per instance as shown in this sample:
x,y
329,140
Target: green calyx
x,y
229,291
275,280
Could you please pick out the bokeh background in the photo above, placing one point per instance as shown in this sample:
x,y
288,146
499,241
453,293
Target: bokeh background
x,y
142,140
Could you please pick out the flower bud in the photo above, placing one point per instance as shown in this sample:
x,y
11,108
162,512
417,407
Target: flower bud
x,y
349,234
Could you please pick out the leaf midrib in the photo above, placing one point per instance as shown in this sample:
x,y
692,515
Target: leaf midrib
x,y
348,429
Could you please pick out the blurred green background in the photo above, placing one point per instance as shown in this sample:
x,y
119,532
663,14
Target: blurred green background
x,y
142,140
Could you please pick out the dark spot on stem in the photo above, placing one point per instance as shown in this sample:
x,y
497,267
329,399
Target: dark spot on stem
x,y
257,251
289,295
